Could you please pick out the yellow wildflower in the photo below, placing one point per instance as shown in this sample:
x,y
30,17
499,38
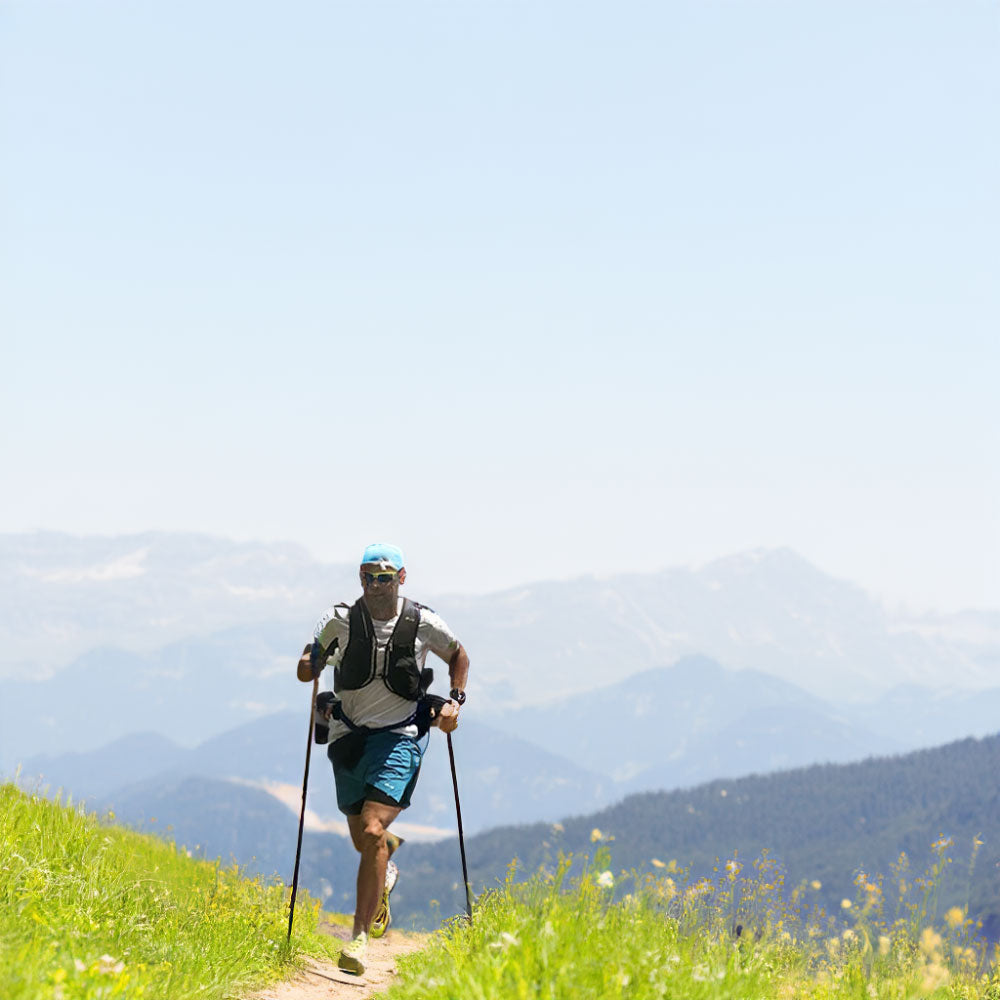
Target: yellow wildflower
x,y
884,944
935,975
596,835
930,941
955,917
845,904
657,863
816,884
109,966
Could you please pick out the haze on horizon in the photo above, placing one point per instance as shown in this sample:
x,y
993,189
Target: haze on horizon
x,y
536,291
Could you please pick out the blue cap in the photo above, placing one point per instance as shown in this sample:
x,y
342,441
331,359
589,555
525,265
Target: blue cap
x,y
383,552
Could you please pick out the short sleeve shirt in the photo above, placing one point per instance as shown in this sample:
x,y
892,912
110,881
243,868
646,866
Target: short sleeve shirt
x,y
375,705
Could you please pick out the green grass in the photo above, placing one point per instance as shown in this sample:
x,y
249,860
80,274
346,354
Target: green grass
x,y
89,910
668,936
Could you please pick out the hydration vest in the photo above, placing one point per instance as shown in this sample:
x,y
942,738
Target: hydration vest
x,y
358,665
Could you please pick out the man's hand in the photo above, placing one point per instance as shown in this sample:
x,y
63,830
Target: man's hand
x,y
325,702
309,666
447,718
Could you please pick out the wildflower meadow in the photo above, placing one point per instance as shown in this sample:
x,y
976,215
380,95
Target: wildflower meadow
x,y
740,933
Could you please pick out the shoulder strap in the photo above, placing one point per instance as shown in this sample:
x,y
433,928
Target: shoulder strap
x,y
357,666
335,644
404,635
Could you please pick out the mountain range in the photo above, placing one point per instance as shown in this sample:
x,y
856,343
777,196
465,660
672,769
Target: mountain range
x,y
503,778
191,636
675,727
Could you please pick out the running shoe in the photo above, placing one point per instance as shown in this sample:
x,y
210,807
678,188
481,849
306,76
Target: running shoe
x,y
352,955
382,915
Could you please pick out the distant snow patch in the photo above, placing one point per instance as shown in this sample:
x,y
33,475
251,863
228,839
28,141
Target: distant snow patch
x,y
290,796
260,593
125,568
254,707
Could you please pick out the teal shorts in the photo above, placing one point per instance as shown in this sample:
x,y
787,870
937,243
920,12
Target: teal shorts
x,y
386,772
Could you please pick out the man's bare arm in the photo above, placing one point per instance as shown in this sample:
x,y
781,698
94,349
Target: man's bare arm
x,y
458,668
458,672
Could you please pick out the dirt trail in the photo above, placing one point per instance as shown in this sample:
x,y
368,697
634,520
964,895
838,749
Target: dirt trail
x,y
322,980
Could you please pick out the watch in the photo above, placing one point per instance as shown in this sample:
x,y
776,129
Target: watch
x,y
456,695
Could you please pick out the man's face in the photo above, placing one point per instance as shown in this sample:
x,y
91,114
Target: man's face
x,y
380,581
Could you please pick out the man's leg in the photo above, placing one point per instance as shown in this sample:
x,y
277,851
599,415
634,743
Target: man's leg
x,y
368,832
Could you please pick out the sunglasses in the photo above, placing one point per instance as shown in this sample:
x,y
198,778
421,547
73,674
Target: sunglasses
x,y
385,577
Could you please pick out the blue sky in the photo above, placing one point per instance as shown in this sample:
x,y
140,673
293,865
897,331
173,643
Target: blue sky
x,y
536,289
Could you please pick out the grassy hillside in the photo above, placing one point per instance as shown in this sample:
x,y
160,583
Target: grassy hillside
x,y
730,936
88,911
823,823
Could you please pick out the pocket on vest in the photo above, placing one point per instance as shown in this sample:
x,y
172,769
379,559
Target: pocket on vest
x,y
407,680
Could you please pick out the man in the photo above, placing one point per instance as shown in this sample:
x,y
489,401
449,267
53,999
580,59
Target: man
x,y
378,711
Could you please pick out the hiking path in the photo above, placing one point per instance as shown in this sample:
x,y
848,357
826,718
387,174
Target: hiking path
x,y
322,980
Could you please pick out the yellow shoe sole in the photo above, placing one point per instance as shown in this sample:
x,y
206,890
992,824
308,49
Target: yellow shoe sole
x,y
383,916
348,963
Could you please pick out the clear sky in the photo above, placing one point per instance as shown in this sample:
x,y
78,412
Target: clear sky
x,y
534,288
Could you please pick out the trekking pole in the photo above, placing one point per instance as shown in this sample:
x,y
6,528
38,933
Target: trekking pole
x,y
302,814
461,836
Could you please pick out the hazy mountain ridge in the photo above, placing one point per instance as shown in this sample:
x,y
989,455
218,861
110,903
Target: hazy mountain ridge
x,y
64,595
688,723
503,777
188,691
670,728
767,610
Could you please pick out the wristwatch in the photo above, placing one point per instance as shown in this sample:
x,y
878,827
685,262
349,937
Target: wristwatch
x,y
456,695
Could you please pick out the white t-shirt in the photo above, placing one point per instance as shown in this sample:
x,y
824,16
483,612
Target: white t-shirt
x,y
375,705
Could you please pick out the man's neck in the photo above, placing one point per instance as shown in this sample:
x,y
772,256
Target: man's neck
x,y
383,609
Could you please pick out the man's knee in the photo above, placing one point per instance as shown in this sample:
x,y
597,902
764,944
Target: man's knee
x,y
373,834
357,837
